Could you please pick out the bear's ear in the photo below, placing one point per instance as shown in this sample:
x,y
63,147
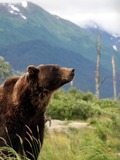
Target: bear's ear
x,y
32,70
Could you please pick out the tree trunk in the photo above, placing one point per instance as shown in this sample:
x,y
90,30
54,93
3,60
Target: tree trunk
x,y
97,78
114,78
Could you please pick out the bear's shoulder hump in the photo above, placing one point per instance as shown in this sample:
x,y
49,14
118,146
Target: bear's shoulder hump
x,y
10,81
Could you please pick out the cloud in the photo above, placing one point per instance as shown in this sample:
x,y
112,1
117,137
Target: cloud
x,y
80,5
106,13
107,20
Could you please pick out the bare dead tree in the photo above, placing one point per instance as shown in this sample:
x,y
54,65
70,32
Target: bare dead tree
x,y
114,78
71,83
97,78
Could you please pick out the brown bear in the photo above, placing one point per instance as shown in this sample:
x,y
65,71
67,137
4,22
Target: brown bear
x,y
23,102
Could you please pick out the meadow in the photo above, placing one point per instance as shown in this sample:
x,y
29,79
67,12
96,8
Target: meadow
x,y
100,141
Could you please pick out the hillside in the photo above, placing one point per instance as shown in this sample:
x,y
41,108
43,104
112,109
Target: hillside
x,y
30,35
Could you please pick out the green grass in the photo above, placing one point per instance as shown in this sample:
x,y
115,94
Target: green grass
x,y
79,145
84,144
10,152
99,142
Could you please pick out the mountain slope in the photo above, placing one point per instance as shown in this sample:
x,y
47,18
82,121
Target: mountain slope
x,y
41,25
30,35
45,53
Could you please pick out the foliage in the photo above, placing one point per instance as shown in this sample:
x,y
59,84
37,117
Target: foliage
x,y
4,68
73,105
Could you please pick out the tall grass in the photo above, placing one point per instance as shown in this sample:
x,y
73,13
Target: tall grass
x,y
84,144
79,145
100,142
11,154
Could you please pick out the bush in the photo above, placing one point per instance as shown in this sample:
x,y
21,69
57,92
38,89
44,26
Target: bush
x,y
88,96
84,110
107,103
73,105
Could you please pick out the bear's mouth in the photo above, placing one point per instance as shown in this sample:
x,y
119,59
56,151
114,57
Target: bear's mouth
x,y
70,76
72,73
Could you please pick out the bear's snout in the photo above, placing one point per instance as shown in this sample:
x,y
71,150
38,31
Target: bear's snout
x,y
68,74
72,71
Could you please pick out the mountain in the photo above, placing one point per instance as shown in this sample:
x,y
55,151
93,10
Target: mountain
x,y
31,35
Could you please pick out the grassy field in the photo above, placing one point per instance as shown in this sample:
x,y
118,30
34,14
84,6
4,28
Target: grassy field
x,y
99,141
83,144
79,144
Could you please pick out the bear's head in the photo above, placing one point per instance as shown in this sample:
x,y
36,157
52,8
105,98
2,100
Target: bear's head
x,y
50,77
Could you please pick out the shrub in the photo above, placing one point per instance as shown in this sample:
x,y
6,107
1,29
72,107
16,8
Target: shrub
x,y
83,110
88,96
73,105
78,105
107,103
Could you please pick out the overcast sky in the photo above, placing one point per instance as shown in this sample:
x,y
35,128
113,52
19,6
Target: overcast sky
x,y
106,13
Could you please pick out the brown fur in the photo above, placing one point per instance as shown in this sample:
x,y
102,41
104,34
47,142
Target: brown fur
x,y
23,102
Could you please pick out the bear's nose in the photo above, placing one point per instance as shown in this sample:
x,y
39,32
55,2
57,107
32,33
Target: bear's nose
x,y
72,70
